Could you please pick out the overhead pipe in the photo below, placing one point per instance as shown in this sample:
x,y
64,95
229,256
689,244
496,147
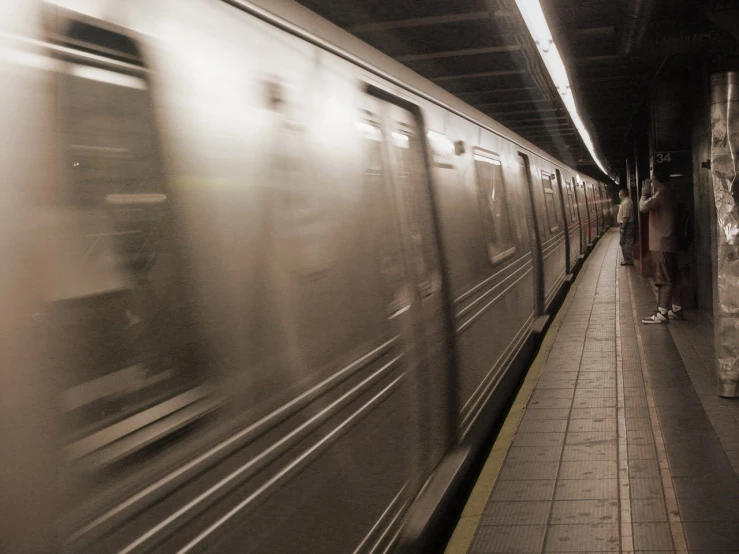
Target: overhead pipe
x,y
635,24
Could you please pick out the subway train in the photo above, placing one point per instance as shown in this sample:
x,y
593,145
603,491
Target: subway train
x,y
264,289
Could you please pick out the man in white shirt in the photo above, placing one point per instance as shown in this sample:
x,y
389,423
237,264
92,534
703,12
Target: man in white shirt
x,y
626,223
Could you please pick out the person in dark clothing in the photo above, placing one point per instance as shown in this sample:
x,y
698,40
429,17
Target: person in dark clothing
x,y
660,201
626,223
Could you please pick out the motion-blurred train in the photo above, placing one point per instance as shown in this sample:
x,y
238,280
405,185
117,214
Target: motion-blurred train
x,y
264,290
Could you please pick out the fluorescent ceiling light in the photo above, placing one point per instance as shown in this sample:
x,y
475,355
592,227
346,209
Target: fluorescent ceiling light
x,y
534,18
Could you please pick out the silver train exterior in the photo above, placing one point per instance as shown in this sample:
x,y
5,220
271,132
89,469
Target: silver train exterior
x,y
264,289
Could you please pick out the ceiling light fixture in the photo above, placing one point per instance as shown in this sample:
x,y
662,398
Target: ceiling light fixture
x,y
536,22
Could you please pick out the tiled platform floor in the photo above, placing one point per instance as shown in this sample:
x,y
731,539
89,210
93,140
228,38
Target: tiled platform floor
x,y
623,445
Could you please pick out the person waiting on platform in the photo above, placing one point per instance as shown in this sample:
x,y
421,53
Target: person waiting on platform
x,y
660,201
626,224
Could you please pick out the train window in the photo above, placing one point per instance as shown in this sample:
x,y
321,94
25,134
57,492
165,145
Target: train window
x,y
594,198
410,170
571,200
568,196
304,216
550,200
492,193
573,203
131,376
380,210
442,149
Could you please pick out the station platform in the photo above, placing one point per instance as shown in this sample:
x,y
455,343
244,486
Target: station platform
x,y
617,440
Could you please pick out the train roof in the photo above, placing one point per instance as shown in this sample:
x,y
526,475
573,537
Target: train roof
x,y
299,20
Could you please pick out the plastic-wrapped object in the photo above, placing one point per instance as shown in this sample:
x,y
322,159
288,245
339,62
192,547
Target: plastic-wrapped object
x,y
725,172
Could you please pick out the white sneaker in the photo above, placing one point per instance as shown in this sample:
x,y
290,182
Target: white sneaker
x,y
657,318
675,314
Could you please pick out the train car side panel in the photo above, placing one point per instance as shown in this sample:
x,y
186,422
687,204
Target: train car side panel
x,y
550,225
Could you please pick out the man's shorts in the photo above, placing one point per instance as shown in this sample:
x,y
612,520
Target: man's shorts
x,y
666,271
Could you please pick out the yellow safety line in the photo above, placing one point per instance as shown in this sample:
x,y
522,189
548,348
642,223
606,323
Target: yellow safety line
x,y
465,531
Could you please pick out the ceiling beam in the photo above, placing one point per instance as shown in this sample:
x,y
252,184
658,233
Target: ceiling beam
x,y
534,131
597,59
532,110
495,90
556,136
530,126
459,53
423,21
501,73
546,117
595,31
524,116
514,103
542,126
609,78
566,138
551,142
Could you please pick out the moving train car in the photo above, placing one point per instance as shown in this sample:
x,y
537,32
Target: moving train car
x,y
265,290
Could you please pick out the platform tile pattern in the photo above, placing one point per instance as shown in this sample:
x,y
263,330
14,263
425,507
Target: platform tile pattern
x,y
590,468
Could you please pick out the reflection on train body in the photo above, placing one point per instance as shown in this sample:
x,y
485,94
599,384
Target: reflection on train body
x,y
260,296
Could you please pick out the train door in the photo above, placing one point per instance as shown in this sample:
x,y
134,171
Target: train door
x,y
598,208
592,212
120,299
587,234
606,207
604,204
525,177
582,212
574,219
565,226
430,343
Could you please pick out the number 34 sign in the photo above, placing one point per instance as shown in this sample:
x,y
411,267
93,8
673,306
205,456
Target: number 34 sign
x,y
663,157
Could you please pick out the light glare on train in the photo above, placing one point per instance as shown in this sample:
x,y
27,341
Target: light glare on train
x,y
536,23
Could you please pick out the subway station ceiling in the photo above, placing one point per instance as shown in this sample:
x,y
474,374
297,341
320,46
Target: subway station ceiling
x,y
481,51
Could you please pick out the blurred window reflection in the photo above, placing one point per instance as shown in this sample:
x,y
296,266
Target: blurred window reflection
x,y
382,208
571,200
550,192
131,378
492,194
412,181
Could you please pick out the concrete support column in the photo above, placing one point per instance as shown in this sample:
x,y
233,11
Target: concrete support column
x,y
704,223
642,256
725,173
670,148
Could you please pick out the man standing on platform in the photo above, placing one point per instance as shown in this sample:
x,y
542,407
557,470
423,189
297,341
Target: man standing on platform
x,y
661,203
626,223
